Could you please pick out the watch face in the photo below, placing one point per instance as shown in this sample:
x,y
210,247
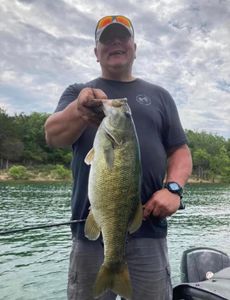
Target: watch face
x,y
174,186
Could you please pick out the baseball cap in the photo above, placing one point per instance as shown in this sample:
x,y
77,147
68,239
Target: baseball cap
x,y
119,23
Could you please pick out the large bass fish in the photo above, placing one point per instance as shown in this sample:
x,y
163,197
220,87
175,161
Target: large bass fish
x,y
114,194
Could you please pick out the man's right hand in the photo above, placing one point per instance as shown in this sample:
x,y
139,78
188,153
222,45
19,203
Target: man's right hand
x,y
89,105
63,128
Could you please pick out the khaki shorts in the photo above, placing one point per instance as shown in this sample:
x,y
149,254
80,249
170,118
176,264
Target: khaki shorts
x,y
147,262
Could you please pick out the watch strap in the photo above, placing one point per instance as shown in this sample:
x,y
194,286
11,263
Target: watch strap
x,y
179,192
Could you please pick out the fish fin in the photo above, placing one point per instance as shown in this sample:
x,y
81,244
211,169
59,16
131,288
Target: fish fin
x,y
113,139
114,277
89,156
92,230
137,219
109,157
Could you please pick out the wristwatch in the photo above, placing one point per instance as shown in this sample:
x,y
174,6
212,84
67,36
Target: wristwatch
x,y
175,188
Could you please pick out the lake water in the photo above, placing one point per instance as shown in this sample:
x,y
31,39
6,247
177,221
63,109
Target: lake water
x,y
34,264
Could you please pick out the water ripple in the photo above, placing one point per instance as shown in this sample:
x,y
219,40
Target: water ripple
x,y
37,261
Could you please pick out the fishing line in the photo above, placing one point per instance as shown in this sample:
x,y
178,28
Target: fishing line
x,y
182,206
40,227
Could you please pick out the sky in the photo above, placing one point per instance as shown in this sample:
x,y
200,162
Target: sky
x,y
182,45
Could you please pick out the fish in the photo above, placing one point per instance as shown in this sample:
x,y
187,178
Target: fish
x,y
114,187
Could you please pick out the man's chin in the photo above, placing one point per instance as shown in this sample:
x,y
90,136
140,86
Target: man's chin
x,y
118,66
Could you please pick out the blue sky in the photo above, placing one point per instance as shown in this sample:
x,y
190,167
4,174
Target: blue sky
x,y
182,45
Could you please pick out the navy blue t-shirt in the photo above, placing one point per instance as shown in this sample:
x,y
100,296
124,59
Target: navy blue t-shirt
x,y
159,130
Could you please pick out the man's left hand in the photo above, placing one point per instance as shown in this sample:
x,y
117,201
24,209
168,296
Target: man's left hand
x,y
162,204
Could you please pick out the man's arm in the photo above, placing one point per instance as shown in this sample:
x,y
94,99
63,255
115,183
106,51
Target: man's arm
x,y
179,165
163,203
65,127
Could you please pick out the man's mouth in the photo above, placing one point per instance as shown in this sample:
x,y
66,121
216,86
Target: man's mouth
x,y
117,52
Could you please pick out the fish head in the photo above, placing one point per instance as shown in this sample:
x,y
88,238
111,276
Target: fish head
x,y
118,115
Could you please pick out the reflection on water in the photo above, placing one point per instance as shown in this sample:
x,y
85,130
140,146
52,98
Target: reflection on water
x,y
34,264
204,223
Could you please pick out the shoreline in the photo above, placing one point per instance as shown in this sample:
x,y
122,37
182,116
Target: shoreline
x,y
6,178
36,179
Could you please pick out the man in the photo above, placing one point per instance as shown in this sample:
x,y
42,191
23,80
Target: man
x,y
163,151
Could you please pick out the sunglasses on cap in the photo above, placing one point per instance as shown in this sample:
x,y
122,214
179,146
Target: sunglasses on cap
x,y
108,20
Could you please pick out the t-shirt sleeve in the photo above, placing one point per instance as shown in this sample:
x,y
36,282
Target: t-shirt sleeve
x,y
174,135
68,96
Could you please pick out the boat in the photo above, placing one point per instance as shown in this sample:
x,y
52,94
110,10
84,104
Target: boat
x,y
205,275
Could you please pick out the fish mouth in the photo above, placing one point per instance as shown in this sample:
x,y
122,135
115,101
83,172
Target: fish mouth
x,y
119,102
113,104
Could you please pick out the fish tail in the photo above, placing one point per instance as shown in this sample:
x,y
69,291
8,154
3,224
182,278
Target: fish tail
x,y
114,276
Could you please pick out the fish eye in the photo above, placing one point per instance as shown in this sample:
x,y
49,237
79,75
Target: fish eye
x,y
127,114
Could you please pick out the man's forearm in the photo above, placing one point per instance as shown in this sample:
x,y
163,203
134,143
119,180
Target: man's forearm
x,y
65,127
179,165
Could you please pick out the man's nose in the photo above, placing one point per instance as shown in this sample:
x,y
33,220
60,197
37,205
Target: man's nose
x,y
116,40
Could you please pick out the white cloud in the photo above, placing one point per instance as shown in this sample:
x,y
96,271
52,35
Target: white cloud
x,y
182,46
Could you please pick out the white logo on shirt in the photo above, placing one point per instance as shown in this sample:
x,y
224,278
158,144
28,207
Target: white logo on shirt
x,y
143,99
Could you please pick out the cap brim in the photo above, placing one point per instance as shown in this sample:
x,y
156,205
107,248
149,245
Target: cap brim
x,y
112,29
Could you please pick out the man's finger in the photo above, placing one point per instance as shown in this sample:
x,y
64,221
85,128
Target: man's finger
x,y
147,211
92,103
99,94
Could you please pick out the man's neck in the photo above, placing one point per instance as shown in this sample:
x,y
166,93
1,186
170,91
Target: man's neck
x,y
118,76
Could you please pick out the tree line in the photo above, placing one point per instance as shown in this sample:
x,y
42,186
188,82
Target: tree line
x,y
22,141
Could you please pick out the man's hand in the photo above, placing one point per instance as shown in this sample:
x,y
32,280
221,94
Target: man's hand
x,y
89,105
162,204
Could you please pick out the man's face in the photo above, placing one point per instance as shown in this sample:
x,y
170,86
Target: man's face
x,y
116,51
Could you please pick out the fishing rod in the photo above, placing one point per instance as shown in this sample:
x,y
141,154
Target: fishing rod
x,y
40,227
182,206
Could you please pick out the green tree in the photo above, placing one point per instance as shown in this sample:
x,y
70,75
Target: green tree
x,y
12,149
201,161
31,130
220,164
210,155
22,140
10,146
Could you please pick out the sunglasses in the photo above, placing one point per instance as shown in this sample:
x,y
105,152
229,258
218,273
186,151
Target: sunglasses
x,y
110,19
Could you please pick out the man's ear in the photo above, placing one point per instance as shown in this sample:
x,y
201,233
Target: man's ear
x,y
95,52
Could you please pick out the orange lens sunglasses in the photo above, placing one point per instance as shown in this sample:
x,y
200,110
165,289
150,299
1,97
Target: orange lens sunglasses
x,y
109,19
